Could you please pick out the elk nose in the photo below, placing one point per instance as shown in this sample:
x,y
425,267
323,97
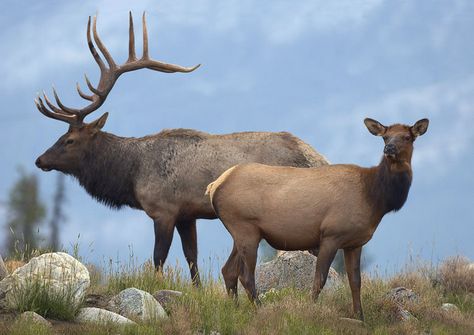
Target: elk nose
x,y
390,149
38,162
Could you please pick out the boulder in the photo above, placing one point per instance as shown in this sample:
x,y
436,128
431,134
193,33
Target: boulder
x,y
165,297
450,308
402,295
3,269
59,273
290,269
32,317
98,315
137,304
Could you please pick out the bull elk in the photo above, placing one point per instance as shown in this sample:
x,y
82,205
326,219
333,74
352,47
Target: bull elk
x,y
321,209
164,174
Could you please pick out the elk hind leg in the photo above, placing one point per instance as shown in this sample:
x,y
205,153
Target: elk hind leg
x,y
187,232
247,247
231,271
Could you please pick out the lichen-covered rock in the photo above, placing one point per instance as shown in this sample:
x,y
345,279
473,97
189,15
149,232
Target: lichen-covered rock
x,y
450,308
402,295
290,269
32,317
58,273
3,269
165,297
99,315
137,304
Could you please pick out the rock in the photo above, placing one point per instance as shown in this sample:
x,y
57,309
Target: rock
x,y
32,317
451,308
212,332
402,295
98,315
290,269
137,304
165,297
59,273
3,269
404,315
96,300
12,265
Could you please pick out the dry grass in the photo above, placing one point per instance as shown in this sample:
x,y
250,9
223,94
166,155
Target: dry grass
x,y
456,275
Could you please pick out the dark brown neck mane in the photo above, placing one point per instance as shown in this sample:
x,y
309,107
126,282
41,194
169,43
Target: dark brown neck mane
x,y
388,188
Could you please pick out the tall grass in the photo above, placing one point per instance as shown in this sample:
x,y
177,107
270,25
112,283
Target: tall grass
x,y
40,297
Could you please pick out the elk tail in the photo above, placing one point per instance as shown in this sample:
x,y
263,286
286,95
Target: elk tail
x,y
212,187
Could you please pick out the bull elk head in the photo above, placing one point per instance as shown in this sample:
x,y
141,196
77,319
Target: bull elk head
x,y
69,149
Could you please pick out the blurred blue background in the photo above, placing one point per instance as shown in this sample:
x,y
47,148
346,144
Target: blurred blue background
x,y
313,68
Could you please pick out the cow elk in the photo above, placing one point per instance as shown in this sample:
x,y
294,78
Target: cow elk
x,y
321,209
164,174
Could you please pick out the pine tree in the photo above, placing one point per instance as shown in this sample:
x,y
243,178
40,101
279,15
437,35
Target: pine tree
x,y
24,215
57,216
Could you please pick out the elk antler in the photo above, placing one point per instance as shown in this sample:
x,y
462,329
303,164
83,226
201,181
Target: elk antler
x,y
108,76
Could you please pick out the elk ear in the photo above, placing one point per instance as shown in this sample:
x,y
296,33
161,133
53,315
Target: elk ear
x,y
420,127
99,123
375,127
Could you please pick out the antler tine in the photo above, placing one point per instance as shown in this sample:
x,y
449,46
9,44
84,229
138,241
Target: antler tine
x,y
50,104
101,46
82,94
63,107
53,107
71,119
94,52
91,87
145,38
131,40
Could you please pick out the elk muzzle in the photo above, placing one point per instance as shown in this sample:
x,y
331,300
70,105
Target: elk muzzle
x,y
40,163
390,150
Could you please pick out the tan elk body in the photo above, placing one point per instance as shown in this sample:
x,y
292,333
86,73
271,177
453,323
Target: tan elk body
x,y
322,209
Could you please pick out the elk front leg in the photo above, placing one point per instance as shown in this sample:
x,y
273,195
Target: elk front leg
x,y
326,254
164,228
187,232
352,261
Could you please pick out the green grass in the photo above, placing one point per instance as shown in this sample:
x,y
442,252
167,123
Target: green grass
x,y
39,297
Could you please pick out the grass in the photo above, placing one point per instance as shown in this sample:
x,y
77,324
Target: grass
x,y
288,311
40,297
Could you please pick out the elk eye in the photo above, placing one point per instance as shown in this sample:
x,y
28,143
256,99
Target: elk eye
x,y
407,138
69,141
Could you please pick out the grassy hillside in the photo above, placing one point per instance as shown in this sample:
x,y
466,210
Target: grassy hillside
x,y
208,310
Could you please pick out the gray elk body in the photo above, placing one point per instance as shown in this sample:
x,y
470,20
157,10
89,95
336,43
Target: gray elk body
x,y
165,174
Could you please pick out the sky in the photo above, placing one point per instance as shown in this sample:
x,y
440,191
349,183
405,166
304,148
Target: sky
x,y
314,68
